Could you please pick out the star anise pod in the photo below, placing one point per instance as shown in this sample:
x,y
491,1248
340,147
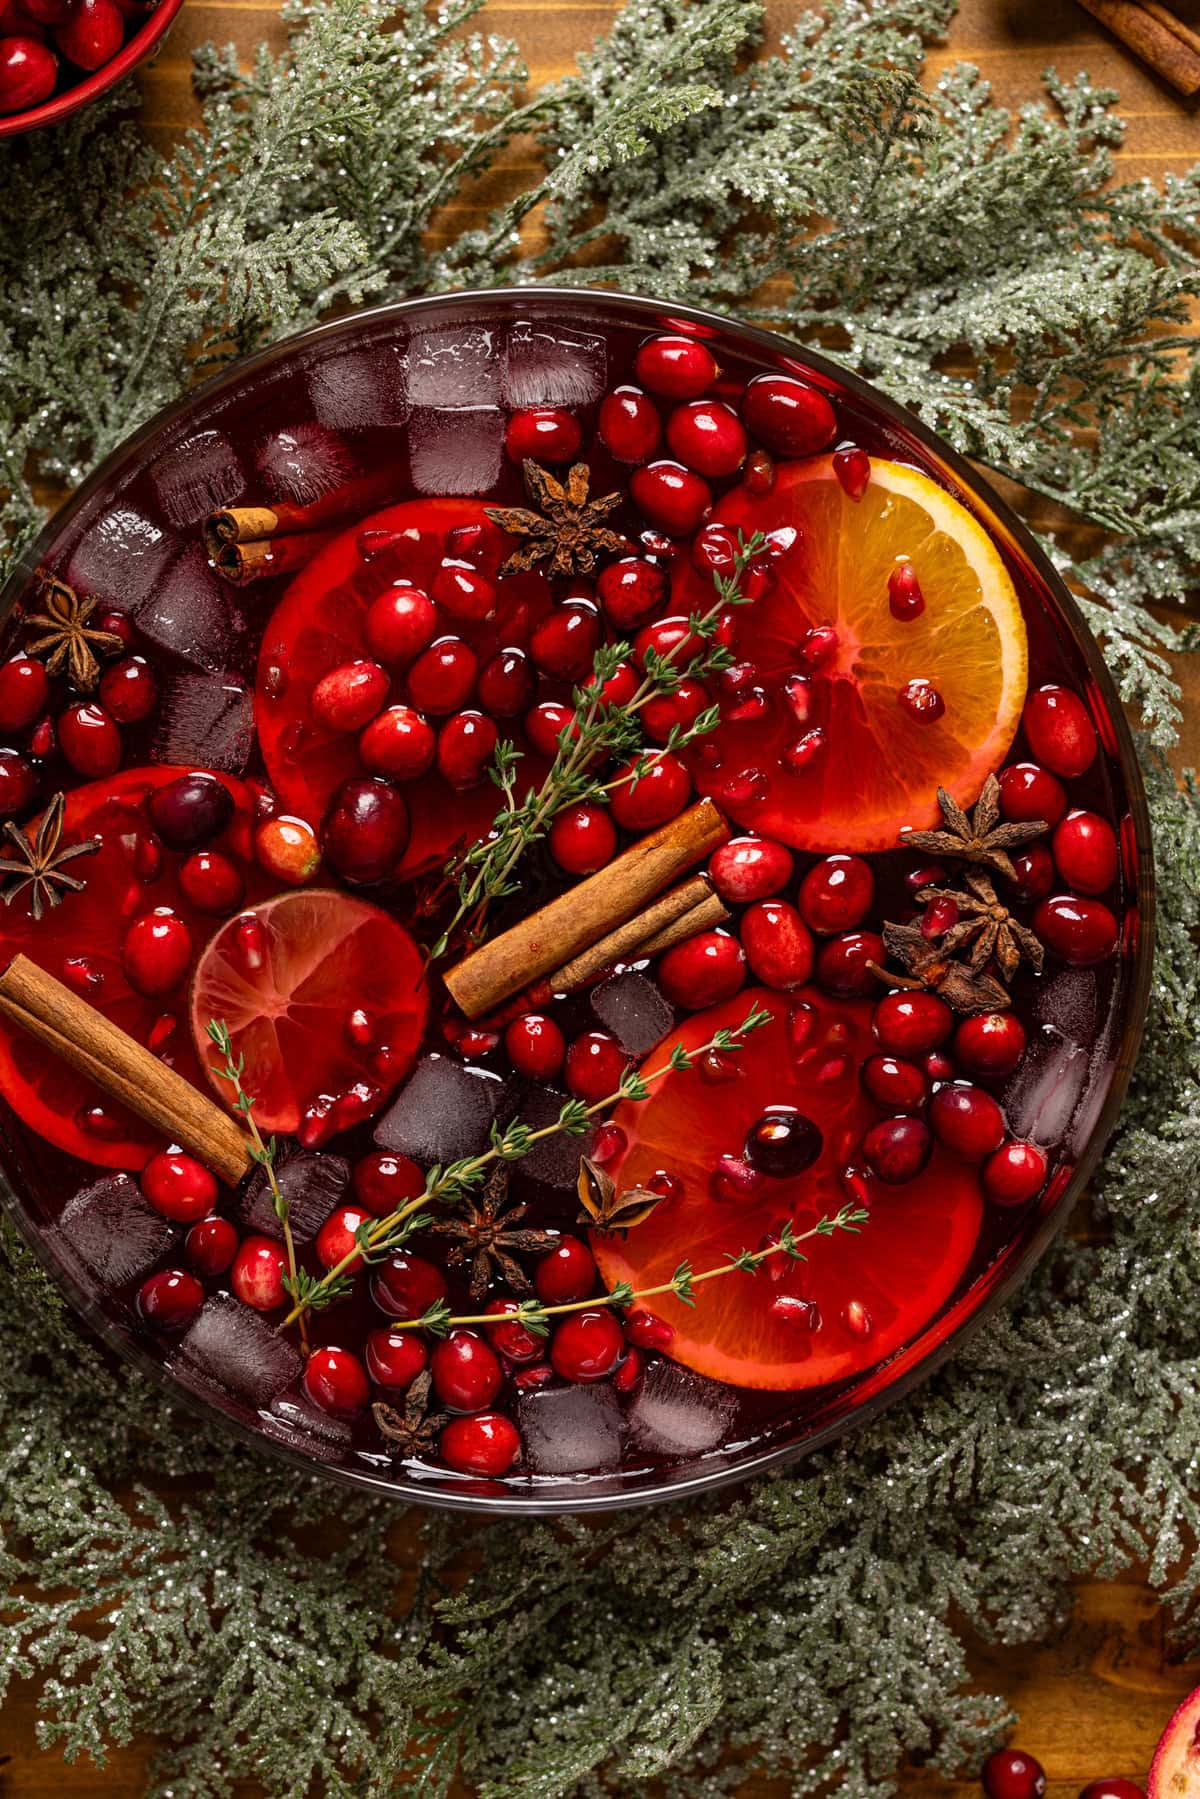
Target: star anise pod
x,y
412,1432
567,532
486,1237
961,986
67,640
607,1209
40,864
987,926
979,837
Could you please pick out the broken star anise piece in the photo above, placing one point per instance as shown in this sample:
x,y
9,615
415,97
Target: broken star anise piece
x,y
987,926
963,988
413,1431
40,864
567,531
979,837
68,641
607,1209
485,1236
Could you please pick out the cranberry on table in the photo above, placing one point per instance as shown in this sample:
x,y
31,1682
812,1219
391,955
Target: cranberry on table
x,y
565,1273
967,1120
671,497
349,695
678,368
156,952
466,1372
442,679
660,792
583,838
836,893
506,683
707,436
92,35
128,690
1085,849
257,1273
89,740
1081,931
778,944
543,434
18,783
629,426
535,1046
170,1299
1035,872
1014,1173
407,1286
486,1445
24,690
705,970
1011,1774
891,1081
843,964
587,1346
400,624
337,1237
288,849
466,744
179,1186
336,1381
394,1358
191,811
909,1023
630,590
515,1341
750,868
366,830
789,416
594,1066
1059,731
211,1245
990,1043
463,591
28,72
1029,792
212,882
897,1149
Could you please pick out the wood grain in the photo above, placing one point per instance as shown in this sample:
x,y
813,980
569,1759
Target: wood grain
x,y
1092,1702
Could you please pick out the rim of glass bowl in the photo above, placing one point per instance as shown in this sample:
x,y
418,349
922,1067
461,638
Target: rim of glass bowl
x,y
130,56
943,1334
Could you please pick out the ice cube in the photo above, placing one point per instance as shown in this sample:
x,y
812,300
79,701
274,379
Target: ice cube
x,y
1069,1002
444,1111
455,451
192,613
119,559
358,389
208,720
197,476
313,1186
555,1160
111,1230
1043,1093
570,1430
453,368
632,1008
305,1427
238,1350
677,1412
303,463
547,366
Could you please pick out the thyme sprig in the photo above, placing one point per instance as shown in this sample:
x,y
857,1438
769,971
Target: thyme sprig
x,y
596,732
381,1237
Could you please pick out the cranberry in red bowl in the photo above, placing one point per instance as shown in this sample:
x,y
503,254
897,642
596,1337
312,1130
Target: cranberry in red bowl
x,y
594,887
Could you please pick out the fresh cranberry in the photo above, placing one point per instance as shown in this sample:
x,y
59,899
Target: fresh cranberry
x,y
905,598
842,964
400,624
212,882
336,1381
179,1186
1035,873
465,746
545,724
675,711
594,1066
407,1286
836,894
211,1245
660,792
18,783
565,642
967,1120
789,416
89,740
566,1273
535,1046
170,1299
28,72
629,426
337,1237
990,1043
92,35
670,639
909,1023
466,1372
399,743
384,1182
629,590
486,1445
349,695
1113,1786
514,1340
394,1358
671,497
1011,1774
782,1142
852,470
156,952
543,434
1029,793
892,1082
191,811
778,944
714,550
707,437
583,838
442,678
897,1149
257,1273
1059,731
678,368
366,830
506,684
118,624
705,970
587,1346
288,849
463,592
750,868
1081,931
1014,1173
1085,848
24,691
128,690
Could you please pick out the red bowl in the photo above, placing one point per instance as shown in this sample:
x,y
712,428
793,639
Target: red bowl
x,y
60,106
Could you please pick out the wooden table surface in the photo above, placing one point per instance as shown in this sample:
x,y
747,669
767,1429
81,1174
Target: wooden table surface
x,y
1093,1702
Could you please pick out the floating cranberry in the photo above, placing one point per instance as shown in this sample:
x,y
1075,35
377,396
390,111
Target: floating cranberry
x,y
565,642
1029,792
629,425
535,1046
212,882
587,1346
905,599
466,744
707,437
191,811
836,894
1035,873
595,1065
842,964
349,695
671,497
338,1238
789,416
384,1182
1011,1774
852,470
1081,931
89,740
1059,731
288,849
670,639
24,691
366,830
750,868
400,624
679,368
18,783
897,1149
714,550
336,1381
545,724
630,590
1085,848
783,1142
394,1358
583,838
892,1082
486,1445
400,743
170,1299
28,72
660,792
922,701
543,434
463,592
778,944
990,1043
257,1273
92,35
156,952
442,678
179,1186
967,1120
466,1372
406,1286
506,684
705,970
128,690
677,711
1014,1173
909,1023
566,1273
211,1245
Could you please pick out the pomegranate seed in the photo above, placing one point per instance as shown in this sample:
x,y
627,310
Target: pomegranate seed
x,y
81,975
714,550
750,868
336,1381
1059,731
857,1319
1085,848
156,952
394,1358
671,497
609,1142
212,882
566,1274
679,368
1029,792
745,789
967,1120
170,1299
92,35
1081,931
629,426
905,599
506,684
43,739
95,1121
359,1028
801,1022
24,691
543,434
251,944
366,830
211,1245
707,437
486,1445
789,416
705,970
801,1314
798,691
990,1043
442,678
28,72
930,874
257,1274
760,473
372,542
466,1372
179,1186
595,1065
818,647
90,740
629,590
842,964
778,944
464,593
587,1346
1011,1774
922,701
128,690
465,746
666,1184
746,711
836,894
891,1082
535,1046
400,624
801,755
628,1377
734,1180
659,793
384,1182
897,1149
1014,1173
852,469
647,1330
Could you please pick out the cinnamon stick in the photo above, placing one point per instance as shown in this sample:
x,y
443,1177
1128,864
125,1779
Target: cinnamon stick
x,y
710,912
283,518
122,1068
628,939
266,557
554,935
1154,35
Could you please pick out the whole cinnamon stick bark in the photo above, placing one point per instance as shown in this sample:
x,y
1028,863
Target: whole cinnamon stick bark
x,y
122,1067
282,518
266,557
1160,40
